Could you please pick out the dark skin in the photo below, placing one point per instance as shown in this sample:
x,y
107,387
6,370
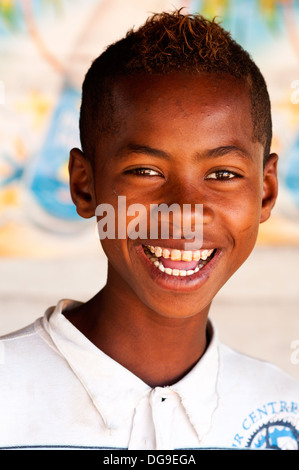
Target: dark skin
x,y
194,137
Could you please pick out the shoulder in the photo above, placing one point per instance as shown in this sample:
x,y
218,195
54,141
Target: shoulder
x,y
30,367
25,351
260,400
29,335
18,340
254,375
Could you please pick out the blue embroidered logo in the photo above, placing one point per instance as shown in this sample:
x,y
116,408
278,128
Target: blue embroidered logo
x,y
275,435
274,425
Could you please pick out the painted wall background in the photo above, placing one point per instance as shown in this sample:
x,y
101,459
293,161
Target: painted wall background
x,y
46,251
46,47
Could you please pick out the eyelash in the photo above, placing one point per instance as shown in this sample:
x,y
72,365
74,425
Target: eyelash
x,y
143,172
220,175
229,175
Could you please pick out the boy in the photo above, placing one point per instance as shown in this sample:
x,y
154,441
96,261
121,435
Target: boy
x,y
175,113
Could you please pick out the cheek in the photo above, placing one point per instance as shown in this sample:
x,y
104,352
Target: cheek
x,y
245,208
121,256
120,269
246,217
116,252
244,222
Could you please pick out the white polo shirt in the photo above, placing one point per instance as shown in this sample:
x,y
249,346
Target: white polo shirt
x,y
58,390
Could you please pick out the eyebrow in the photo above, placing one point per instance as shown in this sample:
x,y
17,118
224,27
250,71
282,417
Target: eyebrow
x,y
220,151
225,150
145,149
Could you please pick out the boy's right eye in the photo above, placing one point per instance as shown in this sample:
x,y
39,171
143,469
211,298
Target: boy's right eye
x,y
143,172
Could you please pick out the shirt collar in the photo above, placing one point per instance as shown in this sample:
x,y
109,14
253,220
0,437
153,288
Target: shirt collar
x,y
198,390
104,379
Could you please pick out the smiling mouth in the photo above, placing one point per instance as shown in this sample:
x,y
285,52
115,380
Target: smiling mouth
x,y
178,262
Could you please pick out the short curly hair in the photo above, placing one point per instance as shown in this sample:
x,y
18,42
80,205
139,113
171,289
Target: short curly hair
x,y
166,43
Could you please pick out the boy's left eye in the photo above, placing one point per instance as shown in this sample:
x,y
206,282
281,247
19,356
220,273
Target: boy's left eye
x,y
222,175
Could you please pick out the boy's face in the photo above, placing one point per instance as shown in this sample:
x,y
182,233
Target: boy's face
x,y
181,139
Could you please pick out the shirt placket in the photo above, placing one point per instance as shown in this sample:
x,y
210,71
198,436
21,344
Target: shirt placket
x,y
164,403
153,422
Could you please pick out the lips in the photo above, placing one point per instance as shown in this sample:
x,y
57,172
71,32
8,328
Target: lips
x,y
174,262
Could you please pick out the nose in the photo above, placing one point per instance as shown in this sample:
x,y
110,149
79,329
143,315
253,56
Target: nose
x,y
189,193
186,212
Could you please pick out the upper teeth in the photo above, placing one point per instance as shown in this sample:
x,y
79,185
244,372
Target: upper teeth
x,y
180,255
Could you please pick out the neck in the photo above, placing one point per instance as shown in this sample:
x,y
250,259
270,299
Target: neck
x,y
159,350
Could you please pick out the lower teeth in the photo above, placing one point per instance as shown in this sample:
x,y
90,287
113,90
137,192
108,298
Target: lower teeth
x,y
173,272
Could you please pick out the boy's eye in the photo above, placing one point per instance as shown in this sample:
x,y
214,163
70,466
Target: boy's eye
x,y
222,175
143,172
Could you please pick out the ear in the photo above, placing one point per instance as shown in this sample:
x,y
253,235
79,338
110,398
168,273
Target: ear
x,y
270,187
81,184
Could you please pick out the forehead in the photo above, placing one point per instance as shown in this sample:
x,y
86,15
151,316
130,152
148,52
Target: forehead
x,y
179,113
201,84
179,96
